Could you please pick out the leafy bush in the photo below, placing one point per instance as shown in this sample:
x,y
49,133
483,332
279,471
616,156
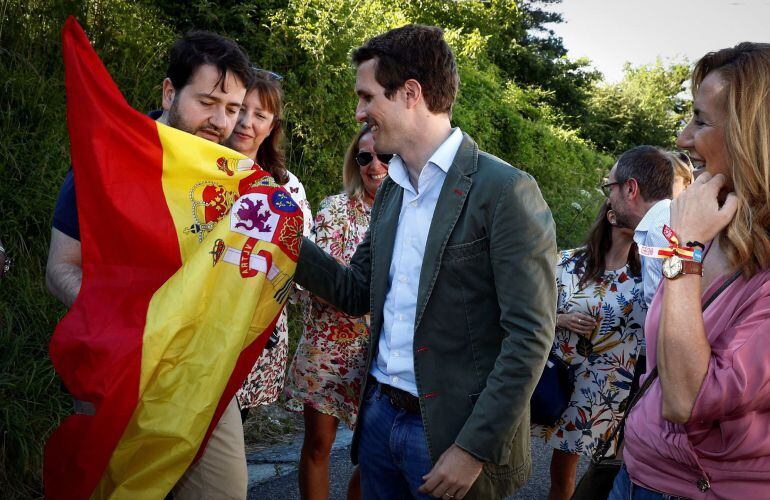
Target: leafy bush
x,y
35,157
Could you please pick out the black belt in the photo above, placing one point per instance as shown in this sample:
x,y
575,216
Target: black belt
x,y
401,400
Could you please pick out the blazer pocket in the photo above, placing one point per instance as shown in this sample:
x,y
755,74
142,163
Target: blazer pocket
x,y
465,251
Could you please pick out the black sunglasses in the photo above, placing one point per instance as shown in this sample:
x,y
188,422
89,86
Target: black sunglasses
x,y
270,74
364,158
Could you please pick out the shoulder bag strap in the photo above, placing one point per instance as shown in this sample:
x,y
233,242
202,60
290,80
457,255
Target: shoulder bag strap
x,y
604,446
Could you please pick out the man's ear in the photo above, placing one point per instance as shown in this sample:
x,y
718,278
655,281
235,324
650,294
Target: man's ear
x,y
412,92
632,189
169,92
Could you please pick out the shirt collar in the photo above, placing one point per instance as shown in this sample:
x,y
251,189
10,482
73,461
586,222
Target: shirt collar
x,y
653,215
443,158
445,154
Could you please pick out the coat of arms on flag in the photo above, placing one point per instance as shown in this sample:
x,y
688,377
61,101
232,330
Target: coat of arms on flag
x,y
188,255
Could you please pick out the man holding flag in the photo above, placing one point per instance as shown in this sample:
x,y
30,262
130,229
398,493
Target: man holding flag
x,y
202,93
206,82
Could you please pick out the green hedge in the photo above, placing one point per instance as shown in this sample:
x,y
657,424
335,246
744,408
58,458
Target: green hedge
x,y
309,42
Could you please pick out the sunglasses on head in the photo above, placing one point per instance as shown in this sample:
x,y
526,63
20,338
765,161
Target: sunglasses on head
x,y
364,158
269,74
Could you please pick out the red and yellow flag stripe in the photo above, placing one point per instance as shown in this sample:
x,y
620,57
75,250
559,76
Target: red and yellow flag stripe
x,y
188,254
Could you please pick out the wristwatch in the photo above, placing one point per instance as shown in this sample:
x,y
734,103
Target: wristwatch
x,y
675,266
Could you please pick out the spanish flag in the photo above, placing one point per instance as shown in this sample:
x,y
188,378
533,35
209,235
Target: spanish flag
x,y
188,257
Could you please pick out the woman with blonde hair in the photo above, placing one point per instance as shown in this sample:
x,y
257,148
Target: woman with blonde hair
x,y
328,370
683,172
700,430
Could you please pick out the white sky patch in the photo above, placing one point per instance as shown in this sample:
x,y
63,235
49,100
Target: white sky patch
x,y
611,32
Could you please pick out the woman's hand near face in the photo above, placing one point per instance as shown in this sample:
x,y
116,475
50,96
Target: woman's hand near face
x,y
577,322
696,214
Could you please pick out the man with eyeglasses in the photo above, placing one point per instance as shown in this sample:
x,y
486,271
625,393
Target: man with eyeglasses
x,y
458,272
639,188
202,94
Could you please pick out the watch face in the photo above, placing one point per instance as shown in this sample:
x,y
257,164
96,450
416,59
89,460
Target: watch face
x,y
672,267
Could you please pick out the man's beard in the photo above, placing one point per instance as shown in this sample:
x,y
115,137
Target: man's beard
x,y
175,120
622,220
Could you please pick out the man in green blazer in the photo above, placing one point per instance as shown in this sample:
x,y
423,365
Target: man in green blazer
x,y
457,270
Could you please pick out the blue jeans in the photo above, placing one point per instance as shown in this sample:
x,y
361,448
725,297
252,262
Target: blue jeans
x,y
625,489
392,450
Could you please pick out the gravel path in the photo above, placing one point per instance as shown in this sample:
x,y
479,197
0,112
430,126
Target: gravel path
x,y
283,484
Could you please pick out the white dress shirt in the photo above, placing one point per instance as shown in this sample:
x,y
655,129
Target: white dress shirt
x,y
394,364
649,233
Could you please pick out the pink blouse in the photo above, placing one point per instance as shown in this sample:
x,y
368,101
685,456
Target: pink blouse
x,y
727,438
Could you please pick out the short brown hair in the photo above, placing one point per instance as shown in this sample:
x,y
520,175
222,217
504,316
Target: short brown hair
x,y
651,168
414,52
197,48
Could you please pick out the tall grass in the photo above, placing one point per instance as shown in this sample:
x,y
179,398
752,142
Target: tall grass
x,y
33,155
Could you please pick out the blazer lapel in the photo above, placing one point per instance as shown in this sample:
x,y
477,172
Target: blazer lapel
x,y
383,239
450,203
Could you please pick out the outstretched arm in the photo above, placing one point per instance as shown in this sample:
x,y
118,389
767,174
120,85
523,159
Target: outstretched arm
x,y
344,287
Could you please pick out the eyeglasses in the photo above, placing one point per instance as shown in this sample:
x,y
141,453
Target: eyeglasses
x,y
270,74
364,158
607,185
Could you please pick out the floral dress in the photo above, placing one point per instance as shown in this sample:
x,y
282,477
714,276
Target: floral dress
x,y
265,382
605,359
329,364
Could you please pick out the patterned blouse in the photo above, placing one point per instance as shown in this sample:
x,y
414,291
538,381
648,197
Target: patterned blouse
x,y
265,382
605,358
329,365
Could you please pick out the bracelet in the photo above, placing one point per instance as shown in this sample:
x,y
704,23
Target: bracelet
x,y
693,244
686,252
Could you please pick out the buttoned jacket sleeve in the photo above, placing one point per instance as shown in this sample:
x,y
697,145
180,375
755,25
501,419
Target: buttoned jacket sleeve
x,y
522,253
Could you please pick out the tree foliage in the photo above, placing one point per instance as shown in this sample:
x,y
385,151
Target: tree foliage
x,y
646,107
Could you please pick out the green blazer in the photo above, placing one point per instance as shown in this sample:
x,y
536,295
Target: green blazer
x,y
485,308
